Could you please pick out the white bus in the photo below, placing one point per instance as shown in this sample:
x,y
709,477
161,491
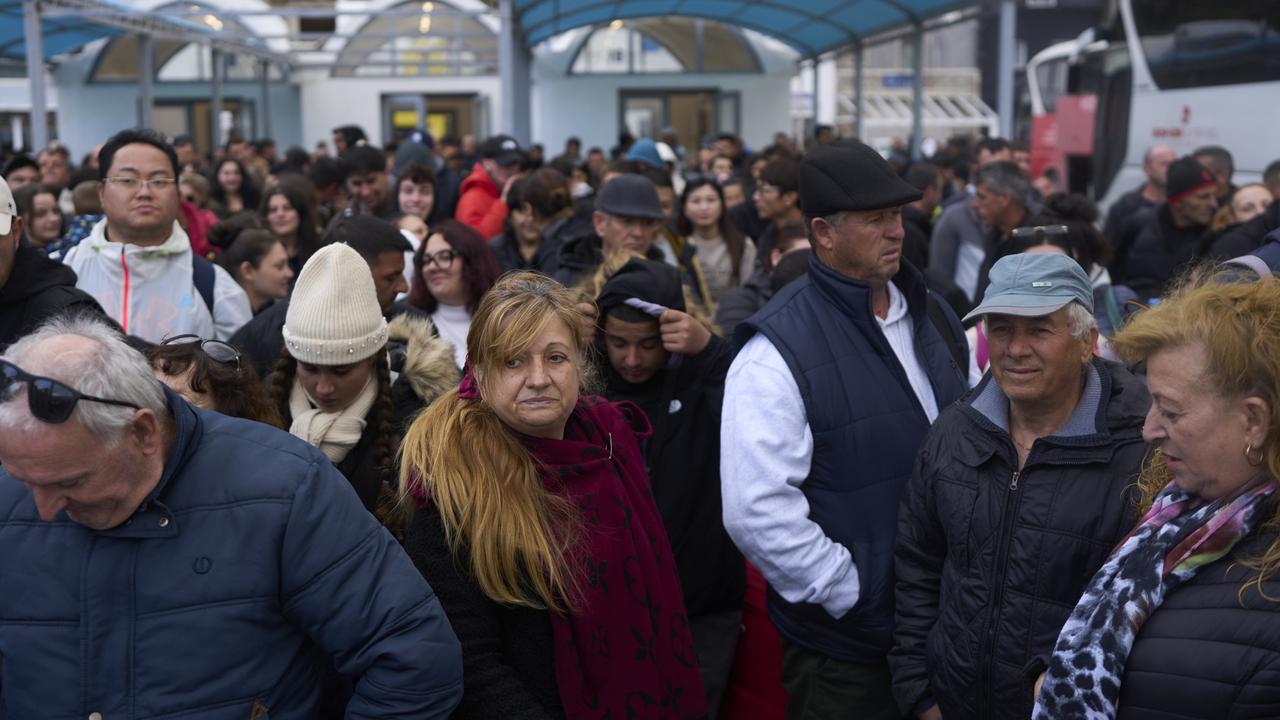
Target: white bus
x,y
1183,73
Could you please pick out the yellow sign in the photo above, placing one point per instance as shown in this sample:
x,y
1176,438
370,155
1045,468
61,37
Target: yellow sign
x,y
404,119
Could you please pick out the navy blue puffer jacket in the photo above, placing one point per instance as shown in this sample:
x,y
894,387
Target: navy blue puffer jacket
x,y
247,573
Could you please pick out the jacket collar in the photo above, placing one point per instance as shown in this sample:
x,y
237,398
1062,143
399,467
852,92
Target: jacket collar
x,y
853,297
153,518
177,243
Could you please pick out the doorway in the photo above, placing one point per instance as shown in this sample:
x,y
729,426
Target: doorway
x,y
440,115
693,114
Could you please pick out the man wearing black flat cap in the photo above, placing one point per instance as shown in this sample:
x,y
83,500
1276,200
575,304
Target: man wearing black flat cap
x,y
483,202
826,405
627,218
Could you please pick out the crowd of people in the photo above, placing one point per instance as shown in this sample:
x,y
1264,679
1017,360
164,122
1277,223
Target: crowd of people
x,y
449,428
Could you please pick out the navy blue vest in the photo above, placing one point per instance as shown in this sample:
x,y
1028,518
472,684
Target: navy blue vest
x,y
867,427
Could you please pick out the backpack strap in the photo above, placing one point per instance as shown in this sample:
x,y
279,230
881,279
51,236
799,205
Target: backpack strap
x,y
202,276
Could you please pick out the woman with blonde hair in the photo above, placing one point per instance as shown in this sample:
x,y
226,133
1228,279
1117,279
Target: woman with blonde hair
x,y
536,527
1183,620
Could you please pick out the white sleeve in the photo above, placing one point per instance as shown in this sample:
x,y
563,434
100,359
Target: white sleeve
x,y
766,448
231,305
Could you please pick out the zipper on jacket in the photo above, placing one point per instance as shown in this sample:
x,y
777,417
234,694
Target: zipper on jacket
x,y
124,306
987,649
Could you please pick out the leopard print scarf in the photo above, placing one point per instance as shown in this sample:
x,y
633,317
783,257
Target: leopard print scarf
x,y
1179,535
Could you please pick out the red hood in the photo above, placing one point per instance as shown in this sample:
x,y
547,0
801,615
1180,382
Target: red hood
x,y
480,179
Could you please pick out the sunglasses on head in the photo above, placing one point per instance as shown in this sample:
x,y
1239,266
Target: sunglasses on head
x,y
1039,231
217,350
50,401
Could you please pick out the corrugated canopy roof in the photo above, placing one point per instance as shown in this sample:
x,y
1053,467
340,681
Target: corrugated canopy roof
x,y
812,27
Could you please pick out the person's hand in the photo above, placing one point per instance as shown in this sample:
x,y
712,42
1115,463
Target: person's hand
x,y
590,313
932,713
1039,684
506,187
682,334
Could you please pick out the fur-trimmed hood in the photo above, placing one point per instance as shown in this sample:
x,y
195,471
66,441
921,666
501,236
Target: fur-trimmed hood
x,y
428,364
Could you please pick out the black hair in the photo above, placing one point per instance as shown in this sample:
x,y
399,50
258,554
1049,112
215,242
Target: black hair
x,y
300,194
249,245
782,173
734,242
1083,241
327,171
353,134
135,136
658,177
547,192
994,145
1219,157
792,266
249,195
367,235
19,161
922,176
364,159
181,140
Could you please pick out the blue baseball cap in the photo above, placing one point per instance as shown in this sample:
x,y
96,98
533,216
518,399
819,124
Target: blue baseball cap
x,y
1034,285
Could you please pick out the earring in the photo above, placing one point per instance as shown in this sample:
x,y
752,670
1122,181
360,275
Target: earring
x,y
1248,453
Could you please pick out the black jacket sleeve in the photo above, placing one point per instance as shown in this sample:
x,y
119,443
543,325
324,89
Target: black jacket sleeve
x,y
492,687
918,559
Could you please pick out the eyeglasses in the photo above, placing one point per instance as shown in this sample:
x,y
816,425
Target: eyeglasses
x,y
132,184
217,350
50,401
1036,232
443,259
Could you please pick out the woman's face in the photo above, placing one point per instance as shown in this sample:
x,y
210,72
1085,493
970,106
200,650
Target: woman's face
x,y
229,177
1202,435
417,198
1249,202
271,278
282,216
45,221
703,207
526,224
181,384
536,392
192,195
442,271
334,387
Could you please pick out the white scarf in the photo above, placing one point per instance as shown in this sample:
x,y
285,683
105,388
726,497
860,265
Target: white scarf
x,y
334,433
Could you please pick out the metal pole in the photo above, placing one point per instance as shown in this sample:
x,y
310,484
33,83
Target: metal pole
x,y
507,64
35,74
266,99
215,101
146,77
1008,47
857,90
917,93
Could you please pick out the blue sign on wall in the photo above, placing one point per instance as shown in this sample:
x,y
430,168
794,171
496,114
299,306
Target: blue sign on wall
x,y
898,81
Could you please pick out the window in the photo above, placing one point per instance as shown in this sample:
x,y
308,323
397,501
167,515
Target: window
x,y
1196,44
665,45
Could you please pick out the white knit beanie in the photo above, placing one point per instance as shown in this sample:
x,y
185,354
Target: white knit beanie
x,y
334,317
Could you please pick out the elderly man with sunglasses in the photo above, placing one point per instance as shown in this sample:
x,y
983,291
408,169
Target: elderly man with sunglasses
x,y
137,262
1019,493
161,561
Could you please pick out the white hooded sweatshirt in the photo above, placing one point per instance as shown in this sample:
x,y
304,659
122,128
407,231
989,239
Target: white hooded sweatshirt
x,y
151,292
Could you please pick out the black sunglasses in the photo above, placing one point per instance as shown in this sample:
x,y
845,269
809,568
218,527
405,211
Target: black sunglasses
x,y
50,401
217,350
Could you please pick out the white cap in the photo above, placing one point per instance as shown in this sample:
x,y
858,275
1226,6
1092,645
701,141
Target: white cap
x,y
8,210
334,317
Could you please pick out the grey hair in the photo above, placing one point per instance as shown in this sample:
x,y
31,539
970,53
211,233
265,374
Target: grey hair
x,y
1004,177
110,368
1082,321
833,220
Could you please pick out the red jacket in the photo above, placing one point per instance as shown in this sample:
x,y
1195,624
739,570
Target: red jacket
x,y
480,205
197,226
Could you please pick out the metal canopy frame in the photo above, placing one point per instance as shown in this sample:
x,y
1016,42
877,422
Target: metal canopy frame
x,y
814,28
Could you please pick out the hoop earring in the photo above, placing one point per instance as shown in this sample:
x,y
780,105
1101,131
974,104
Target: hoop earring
x,y
1248,452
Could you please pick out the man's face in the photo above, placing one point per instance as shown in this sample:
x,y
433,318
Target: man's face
x,y
241,151
1220,174
22,177
1198,207
388,278
989,205
186,154
635,349
54,170
1157,165
371,188
624,234
501,173
339,142
667,199
1036,360
146,209
771,202
1022,158
726,148
864,245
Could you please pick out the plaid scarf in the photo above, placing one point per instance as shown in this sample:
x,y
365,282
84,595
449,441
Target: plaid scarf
x,y
1180,534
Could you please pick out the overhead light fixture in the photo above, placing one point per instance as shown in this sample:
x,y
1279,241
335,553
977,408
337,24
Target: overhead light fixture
x,y
615,25
427,7
213,22
424,25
